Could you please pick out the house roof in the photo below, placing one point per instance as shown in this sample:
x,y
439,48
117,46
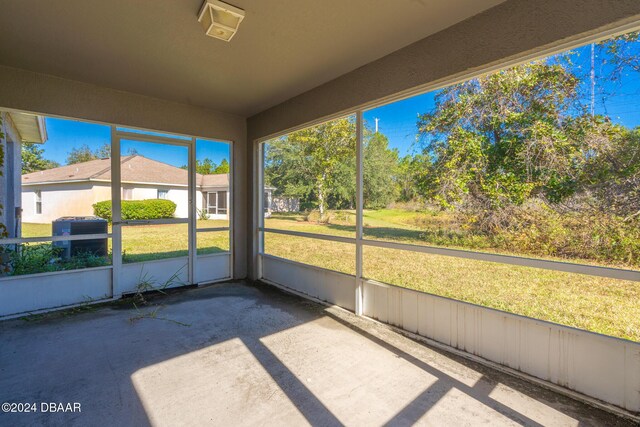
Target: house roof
x,y
133,169
31,128
216,180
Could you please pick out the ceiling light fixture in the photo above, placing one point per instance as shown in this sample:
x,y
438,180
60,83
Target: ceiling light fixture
x,y
219,19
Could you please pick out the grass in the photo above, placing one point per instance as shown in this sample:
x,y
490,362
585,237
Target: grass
x,y
151,242
606,306
602,305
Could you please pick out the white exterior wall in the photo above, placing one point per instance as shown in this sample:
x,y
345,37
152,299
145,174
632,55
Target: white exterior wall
x,y
69,199
326,285
77,199
33,292
200,200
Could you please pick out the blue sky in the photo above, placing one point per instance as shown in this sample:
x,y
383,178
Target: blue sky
x,y
67,134
620,100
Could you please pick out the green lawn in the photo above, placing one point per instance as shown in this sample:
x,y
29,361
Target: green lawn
x,y
606,306
600,305
149,242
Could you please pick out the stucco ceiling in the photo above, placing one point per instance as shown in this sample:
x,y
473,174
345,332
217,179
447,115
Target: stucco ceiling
x,y
157,47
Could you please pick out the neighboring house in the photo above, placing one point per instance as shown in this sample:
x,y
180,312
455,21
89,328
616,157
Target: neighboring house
x,y
18,128
73,189
272,203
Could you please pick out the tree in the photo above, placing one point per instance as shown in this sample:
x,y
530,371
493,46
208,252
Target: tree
x,y
621,53
612,171
33,159
80,154
204,167
508,136
84,153
104,151
413,172
223,167
316,164
209,167
380,169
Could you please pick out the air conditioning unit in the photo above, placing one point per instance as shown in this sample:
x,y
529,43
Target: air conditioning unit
x,y
77,225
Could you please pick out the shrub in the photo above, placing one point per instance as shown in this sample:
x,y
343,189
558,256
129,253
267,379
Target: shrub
x,y
137,209
44,257
543,229
314,216
31,259
339,217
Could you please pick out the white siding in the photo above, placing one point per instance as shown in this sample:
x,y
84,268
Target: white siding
x,y
603,367
69,199
77,199
24,294
326,285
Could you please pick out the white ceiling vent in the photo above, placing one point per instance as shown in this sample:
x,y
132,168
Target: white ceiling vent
x,y
219,19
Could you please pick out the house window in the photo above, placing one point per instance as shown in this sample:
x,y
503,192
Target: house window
x,y
162,194
127,194
222,202
217,203
38,202
211,203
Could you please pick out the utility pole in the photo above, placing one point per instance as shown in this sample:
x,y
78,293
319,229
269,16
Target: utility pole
x,y
376,119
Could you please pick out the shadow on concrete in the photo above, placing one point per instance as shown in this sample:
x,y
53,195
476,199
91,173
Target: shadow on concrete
x,y
91,357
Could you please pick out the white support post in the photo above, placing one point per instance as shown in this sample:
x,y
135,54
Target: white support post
x,y
192,212
359,213
259,167
231,210
116,215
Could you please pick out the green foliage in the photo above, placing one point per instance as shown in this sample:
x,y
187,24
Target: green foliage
x,y
33,159
380,168
42,258
223,167
103,152
507,136
331,217
537,228
316,164
515,156
209,167
103,209
137,209
413,172
204,167
611,175
621,54
84,153
80,154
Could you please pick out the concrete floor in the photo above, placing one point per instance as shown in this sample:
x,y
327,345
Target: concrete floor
x,y
235,354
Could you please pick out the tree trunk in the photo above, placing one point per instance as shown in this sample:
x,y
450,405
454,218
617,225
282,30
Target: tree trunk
x,y
321,196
